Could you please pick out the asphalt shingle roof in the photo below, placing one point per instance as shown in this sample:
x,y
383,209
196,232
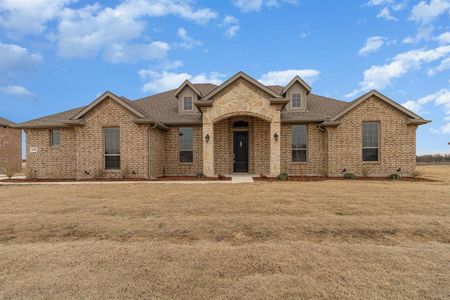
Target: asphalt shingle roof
x,y
163,107
5,122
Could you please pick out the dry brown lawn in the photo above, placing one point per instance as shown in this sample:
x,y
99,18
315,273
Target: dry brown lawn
x,y
330,239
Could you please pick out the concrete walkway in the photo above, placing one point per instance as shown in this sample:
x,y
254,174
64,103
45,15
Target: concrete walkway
x,y
242,178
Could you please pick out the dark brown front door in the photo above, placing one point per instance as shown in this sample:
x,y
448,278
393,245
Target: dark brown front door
x,y
240,151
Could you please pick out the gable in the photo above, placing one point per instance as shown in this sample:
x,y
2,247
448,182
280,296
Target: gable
x,y
240,76
374,94
105,96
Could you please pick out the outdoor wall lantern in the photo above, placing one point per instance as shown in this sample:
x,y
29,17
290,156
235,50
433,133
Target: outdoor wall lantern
x,y
275,136
207,138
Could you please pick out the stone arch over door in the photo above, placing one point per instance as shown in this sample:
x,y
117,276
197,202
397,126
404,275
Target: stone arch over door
x,y
241,98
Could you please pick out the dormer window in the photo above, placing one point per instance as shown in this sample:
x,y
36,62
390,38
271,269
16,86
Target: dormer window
x,y
296,100
187,103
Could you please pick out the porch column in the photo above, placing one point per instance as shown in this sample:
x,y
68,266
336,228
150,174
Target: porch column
x,y
275,150
208,149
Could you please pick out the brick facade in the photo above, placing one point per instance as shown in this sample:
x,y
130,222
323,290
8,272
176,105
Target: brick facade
x,y
10,149
315,152
47,161
172,164
152,152
397,149
259,152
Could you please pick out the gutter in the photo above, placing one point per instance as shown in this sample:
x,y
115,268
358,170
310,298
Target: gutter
x,y
149,121
417,122
69,123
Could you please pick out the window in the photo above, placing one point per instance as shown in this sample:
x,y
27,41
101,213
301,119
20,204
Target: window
x,y
112,148
55,137
299,143
186,152
187,103
240,124
296,100
370,141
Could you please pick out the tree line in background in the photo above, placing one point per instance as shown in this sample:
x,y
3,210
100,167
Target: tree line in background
x,y
433,158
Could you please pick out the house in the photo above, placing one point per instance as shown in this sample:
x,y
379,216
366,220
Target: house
x,y
238,126
10,147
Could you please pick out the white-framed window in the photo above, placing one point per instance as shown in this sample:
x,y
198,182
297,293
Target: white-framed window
x,y
296,100
186,144
299,143
112,148
55,137
370,141
187,103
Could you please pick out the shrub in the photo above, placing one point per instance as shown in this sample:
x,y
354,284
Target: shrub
x,y
200,175
221,177
349,176
394,176
283,176
9,173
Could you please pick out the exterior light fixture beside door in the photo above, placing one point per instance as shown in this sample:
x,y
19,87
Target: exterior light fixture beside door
x,y
207,138
276,136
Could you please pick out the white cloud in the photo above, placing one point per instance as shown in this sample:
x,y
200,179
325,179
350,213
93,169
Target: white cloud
x,y
285,76
440,98
444,38
372,45
256,5
380,76
424,33
187,41
17,91
163,81
386,14
14,58
118,53
231,25
443,66
29,16
91,30
424,12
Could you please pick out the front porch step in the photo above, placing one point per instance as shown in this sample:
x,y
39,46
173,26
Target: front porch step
x,y
242,178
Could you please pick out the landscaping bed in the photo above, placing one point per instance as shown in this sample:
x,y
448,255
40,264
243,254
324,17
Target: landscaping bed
x,y
164,178
322,178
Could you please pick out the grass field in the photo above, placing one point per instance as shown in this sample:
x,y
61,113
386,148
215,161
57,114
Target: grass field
x,y
330,239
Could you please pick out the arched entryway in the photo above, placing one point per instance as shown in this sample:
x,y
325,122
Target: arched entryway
x,y
242,145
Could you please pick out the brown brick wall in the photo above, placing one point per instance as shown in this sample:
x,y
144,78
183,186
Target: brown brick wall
x,y
51,162
134,146
156,153
315,160
259,145
397,141
10,149
150,152
172,165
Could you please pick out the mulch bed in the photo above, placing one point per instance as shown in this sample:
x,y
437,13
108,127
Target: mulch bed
x,y
164,178
320,178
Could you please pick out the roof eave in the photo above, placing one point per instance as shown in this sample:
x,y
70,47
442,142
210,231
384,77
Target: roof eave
x,y
417,122
235,77
149,121
189,84
299,80
116,98
371,93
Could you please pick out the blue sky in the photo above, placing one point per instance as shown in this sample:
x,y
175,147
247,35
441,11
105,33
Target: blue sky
x,y
60,54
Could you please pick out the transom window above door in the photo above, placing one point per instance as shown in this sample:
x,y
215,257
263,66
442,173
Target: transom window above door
x,y
240,124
